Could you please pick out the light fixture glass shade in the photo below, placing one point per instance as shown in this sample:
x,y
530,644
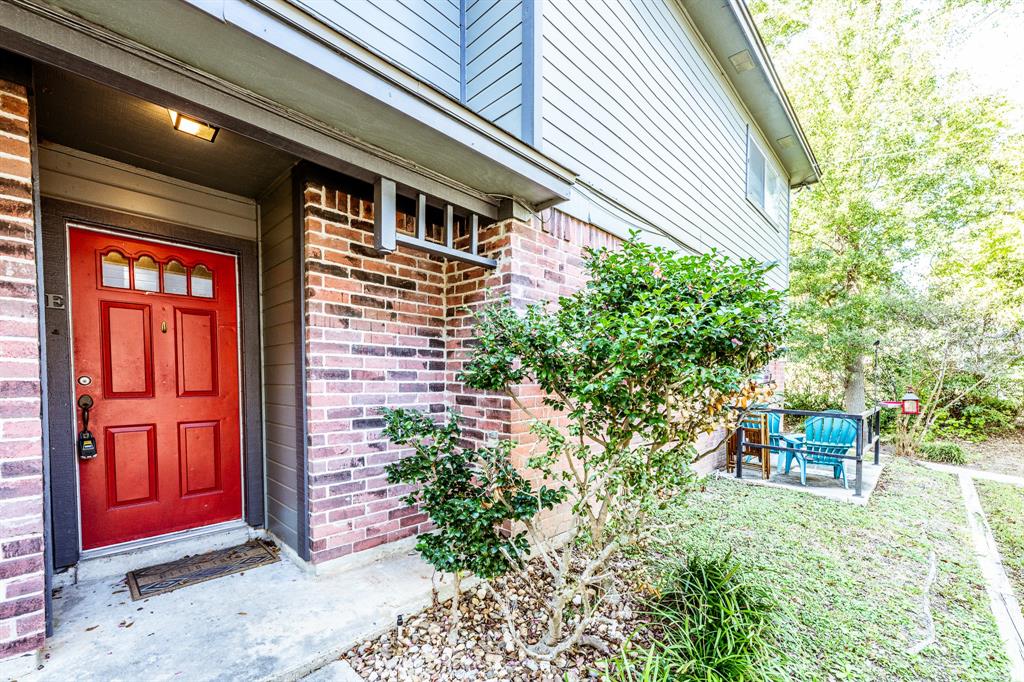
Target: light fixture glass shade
x,y
192,126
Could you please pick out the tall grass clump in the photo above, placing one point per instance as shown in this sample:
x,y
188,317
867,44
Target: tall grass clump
x,y
710,625
945,452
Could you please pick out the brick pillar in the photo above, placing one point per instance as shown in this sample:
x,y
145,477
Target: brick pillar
x,y
22,620
374,338
539,261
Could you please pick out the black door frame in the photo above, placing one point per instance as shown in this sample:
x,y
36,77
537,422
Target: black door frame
x,y
63,460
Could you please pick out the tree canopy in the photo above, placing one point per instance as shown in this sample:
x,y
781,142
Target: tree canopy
x,y
921,177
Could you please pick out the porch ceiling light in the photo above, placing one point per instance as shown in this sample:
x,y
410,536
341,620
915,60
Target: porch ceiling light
x,y
192,126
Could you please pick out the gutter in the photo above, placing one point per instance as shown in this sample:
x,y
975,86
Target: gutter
x,y
756,44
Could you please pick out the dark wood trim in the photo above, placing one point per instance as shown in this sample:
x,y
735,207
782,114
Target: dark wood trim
x,y
15,68
62,459
300,176
37,219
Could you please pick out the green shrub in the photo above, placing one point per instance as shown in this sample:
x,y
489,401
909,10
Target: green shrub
x,y
797,396
713,626
977,418
653,664
944,451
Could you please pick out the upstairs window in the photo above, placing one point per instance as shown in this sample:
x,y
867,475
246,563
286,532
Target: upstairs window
x,y
767,190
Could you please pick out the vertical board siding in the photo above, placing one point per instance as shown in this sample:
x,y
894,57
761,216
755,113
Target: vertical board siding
x,y
471,50
631,100
277,263
494,61
421,36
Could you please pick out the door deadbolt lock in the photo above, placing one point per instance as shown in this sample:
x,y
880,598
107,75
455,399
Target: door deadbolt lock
x,y
86,441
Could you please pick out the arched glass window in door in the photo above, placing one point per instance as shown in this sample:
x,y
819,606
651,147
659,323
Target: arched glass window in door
x,y
147,274
202,282
175,278
115,271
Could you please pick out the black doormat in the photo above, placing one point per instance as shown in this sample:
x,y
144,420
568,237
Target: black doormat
x,y
148,582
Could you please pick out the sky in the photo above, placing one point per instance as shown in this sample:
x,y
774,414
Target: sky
x,y
990,51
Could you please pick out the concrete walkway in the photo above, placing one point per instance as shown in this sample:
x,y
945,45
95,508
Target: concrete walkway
x,y
271,623
1004,603
975,473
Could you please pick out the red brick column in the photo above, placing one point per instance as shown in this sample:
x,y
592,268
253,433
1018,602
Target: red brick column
x,y
374,338
22,620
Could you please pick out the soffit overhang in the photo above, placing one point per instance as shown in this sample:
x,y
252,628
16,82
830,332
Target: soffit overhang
x,y
728,29
269,71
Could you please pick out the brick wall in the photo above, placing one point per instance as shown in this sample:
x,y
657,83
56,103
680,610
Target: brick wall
x,y
396,330
22,620
375,337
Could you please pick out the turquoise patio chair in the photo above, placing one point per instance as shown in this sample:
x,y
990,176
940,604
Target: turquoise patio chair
x,y
824,442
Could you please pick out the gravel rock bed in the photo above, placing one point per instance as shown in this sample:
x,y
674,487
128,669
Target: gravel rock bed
x,y
422,649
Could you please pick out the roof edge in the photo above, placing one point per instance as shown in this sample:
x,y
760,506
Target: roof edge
x,y
746,19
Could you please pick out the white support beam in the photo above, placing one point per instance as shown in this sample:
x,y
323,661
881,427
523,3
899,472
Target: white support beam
x,y
449,226
421,216
385,216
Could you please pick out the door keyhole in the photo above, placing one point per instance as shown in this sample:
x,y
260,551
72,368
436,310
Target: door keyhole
x,y
163,327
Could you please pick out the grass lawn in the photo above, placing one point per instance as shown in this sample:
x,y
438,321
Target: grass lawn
x,y
850,580
1004,507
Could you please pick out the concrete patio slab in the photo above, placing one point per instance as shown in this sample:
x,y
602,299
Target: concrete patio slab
x,y
275,622
819,481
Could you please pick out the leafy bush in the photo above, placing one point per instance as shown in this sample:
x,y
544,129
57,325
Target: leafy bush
x,y
976,418
807,397
469,495
637,364
714,627
943,451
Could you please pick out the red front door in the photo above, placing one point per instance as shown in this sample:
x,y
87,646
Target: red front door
x,y
155,330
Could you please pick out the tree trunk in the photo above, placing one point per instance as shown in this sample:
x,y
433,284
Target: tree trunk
x,y
455,597
853,400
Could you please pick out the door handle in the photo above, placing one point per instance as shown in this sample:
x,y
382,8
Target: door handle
x,y
86,444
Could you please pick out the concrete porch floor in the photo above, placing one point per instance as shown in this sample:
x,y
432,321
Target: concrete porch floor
x,y
274,622
819,480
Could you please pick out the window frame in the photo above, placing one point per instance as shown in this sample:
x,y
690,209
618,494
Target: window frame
x,y
769,169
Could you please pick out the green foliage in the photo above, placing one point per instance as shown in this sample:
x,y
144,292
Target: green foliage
x,y
961,357
808,396
637,364
945,452
978,417
468,493
633,664
808,399
642,360
915,166
715,627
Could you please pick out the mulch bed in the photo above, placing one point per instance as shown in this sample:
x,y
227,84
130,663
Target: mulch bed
x,y
422,650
